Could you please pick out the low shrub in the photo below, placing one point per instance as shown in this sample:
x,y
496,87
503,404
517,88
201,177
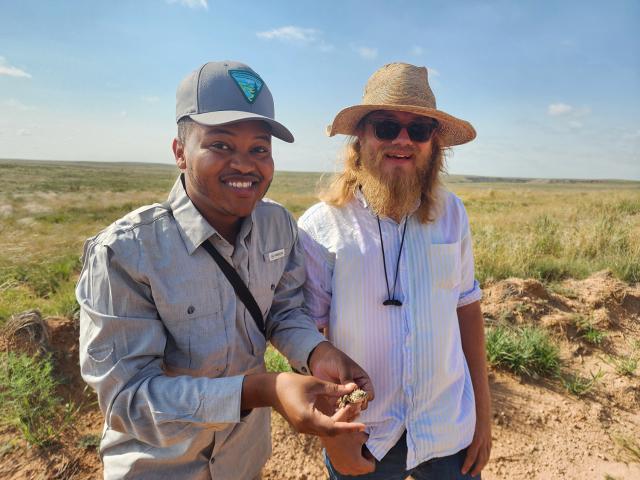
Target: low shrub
x,y
28,397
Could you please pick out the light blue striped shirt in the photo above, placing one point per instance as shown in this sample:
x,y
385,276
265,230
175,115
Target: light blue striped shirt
x,y
413,353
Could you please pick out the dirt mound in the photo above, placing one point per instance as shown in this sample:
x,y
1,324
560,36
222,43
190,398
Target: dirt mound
x,y
612,302
606,301
520,301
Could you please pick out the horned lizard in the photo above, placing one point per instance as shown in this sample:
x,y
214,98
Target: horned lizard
x,y
357,396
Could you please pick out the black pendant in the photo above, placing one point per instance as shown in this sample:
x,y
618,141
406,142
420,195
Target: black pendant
x,y
393,302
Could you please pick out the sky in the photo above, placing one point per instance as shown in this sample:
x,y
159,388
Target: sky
x,y
551,87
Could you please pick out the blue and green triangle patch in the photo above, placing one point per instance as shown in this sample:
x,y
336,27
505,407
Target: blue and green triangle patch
x,y
249,83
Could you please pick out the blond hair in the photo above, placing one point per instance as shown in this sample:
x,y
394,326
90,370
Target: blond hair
x,y
342,186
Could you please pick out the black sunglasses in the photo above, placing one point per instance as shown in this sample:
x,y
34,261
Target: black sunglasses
x,y
387,129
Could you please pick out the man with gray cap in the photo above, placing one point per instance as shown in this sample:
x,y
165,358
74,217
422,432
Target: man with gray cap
x,y
390,275
179,299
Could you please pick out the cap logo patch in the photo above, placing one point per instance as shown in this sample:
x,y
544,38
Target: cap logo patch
x,y
249,83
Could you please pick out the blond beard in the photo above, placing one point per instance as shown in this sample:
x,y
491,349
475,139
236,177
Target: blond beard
x,y
392,196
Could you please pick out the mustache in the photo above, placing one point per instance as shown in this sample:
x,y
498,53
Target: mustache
x,y
397,151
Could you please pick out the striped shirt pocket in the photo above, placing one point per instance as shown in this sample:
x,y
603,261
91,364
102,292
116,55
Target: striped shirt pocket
x,y
444,260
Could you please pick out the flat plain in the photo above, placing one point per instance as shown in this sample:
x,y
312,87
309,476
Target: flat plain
x,y
559,262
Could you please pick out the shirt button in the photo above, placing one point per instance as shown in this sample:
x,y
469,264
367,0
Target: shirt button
x,y
212,460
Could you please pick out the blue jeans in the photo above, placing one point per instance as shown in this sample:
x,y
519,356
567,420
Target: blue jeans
x,y
394,467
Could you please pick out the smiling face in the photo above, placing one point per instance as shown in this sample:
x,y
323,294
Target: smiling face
x,y
392,173
400,156
228,169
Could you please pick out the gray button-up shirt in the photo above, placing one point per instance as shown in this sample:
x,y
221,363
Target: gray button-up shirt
x,y
166,344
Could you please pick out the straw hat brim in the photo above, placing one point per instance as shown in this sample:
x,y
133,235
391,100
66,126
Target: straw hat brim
x,y
451,130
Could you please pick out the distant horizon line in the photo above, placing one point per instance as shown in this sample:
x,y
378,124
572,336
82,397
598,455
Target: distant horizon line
x,y
464,175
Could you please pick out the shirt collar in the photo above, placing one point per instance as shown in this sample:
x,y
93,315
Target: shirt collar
x,y
193,227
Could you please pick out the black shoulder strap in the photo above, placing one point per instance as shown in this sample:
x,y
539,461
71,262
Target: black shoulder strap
x,y
242,291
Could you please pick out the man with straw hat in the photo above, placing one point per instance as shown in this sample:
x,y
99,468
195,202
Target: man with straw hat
x,y
179,299
390,277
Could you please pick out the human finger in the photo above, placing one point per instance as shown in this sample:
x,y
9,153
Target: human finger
x,y
481,461
331,389
368,461
364,383
348,413
326,426
470,458
319,424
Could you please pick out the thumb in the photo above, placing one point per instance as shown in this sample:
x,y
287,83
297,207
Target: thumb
x,y
329,389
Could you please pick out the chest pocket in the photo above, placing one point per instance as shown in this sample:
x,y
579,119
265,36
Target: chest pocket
x,y
197,340
267,273
444,261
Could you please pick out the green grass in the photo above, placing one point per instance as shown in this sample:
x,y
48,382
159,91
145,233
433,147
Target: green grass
x,y
625,366
90,441
275,362
526,351
552,235
28,398
578,385
587,331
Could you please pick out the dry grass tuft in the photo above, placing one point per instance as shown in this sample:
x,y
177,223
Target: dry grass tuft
x,y
27,332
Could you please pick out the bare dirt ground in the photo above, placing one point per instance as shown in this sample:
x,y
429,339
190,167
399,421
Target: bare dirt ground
x,y
540,430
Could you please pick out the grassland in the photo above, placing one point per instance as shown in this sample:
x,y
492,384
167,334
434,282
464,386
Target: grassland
x,y
546,230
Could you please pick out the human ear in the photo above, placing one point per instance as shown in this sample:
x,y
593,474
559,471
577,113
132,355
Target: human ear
x,y
178,153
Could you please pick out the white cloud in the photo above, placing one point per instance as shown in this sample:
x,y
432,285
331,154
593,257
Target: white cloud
x,y
556,109
23,132
150,99
573,116
298,36
366,52
192,3
417,50
291,33
433,72
123,114
11,71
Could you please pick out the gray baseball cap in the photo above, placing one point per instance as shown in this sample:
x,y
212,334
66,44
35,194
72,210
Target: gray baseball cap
x,y
220,93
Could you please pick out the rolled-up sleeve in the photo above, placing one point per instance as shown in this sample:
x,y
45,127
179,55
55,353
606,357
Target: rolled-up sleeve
x,y
289,327
470,288
122,343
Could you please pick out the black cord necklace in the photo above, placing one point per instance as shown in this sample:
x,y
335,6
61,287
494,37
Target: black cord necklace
x,y
391,300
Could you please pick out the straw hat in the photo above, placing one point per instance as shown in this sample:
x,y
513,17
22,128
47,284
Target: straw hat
x,y
405,88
